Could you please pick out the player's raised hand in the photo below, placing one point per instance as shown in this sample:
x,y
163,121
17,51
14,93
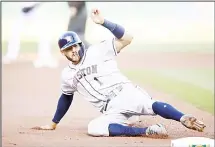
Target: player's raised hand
x,y
96,16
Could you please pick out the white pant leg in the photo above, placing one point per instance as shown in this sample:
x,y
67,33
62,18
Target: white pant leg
x,y
44,46
132,100
44,33
15,35
99,126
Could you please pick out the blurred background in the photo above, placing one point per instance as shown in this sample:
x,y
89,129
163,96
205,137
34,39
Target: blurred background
x,y
158,26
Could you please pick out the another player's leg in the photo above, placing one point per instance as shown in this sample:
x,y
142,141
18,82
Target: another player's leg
x,y
14,40
167,111
77,24
44,52
114,125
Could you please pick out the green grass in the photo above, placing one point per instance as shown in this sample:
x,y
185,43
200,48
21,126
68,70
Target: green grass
x,y
200,97
202,77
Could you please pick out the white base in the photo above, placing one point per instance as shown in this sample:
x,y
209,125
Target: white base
x,y
193,142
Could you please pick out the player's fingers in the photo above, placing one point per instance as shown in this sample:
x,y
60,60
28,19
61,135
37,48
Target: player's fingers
x,y
92,14
94,11
199,126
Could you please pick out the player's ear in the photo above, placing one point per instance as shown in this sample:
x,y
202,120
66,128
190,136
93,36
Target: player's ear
x,y
62,52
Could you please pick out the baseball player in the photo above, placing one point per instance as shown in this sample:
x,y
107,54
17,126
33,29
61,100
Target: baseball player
x,y
93,73
31,11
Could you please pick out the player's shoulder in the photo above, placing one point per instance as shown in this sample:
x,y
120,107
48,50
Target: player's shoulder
x,y
68,72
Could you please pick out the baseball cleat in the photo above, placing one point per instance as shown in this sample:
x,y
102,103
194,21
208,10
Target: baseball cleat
x,y
156,131
191,122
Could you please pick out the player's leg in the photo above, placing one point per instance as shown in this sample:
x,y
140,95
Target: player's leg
x,y
100,125
44,35
44,54
114,125
78,25
14,40
167,111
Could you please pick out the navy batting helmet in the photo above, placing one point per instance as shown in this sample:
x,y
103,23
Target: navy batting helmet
x,y
69,39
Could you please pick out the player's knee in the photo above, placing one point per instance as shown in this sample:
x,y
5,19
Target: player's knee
x,y
148,107
97,128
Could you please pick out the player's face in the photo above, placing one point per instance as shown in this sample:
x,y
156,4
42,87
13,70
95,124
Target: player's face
x,y
72,53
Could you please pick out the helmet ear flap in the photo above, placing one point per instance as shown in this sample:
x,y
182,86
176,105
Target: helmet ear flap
x,y
82,50
82,45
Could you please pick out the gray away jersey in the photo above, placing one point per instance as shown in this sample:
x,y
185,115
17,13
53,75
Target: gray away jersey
x,y
95,76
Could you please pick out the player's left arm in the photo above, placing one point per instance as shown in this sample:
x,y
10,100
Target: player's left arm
x,y
123,38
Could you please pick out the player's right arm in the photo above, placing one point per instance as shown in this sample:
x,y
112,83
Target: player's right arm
x,y
63,105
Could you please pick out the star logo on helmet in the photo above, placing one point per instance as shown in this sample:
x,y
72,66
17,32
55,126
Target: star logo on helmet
x,y
68,38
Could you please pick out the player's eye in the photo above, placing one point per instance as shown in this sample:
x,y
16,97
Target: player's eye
x,y
75,45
